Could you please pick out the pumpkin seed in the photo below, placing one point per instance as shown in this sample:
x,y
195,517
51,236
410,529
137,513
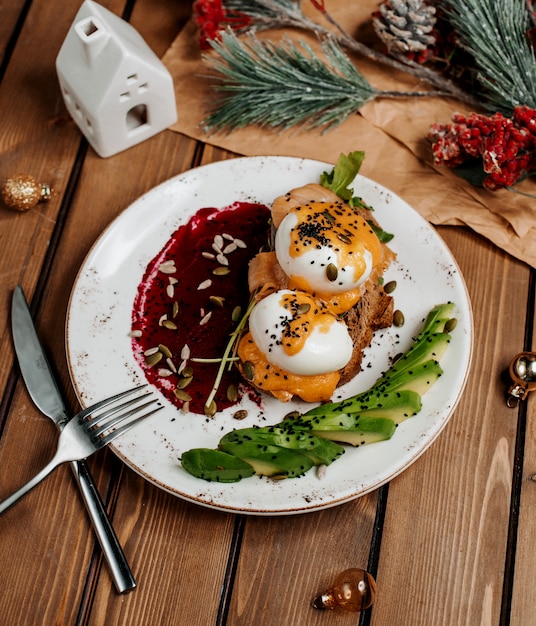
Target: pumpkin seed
x,y
232,393
344,238
249,370
451,324
211,409
390,286
328,217
164,350
332,272
398,318
236,314
182,395
184,382
187,371
216,301
169,324
292,415
221,271
175,309
240,415
303,308
153,359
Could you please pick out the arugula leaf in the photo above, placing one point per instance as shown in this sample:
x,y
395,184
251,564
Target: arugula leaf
x,y
382,235
343,174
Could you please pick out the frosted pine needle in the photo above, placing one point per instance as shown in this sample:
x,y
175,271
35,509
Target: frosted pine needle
x,y
284,85
496,34
280,86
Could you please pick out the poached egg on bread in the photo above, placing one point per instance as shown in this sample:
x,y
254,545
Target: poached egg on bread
x,y
329,250
294,342
326,263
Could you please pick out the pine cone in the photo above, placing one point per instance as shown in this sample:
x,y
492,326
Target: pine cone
x,y
405,26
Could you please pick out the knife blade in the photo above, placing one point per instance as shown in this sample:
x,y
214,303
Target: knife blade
x,y
45,393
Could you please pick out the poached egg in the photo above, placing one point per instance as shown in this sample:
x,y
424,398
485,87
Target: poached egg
x,y
297,333
329,250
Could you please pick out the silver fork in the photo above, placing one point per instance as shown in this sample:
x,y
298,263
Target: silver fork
x,y
90,430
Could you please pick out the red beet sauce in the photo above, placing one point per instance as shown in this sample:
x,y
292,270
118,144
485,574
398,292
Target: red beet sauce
x,y
175,291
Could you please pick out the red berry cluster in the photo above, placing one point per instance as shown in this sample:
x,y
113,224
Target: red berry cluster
x,y
505,146
211,18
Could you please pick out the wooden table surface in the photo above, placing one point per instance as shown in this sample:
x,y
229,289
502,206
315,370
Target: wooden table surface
x,y
450,540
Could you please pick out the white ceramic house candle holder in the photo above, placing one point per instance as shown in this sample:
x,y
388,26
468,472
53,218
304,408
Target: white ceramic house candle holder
x,y
115,88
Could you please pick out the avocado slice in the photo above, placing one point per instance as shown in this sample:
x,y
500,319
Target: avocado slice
x,y
436,319
269,460
320,451
397,404
418,379
215,465
366,430
404,374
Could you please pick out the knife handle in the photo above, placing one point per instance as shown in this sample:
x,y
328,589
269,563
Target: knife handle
x,y
120,570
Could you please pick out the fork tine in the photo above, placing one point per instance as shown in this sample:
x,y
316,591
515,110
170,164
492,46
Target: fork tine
x,y
91,419
98,426
112,417
106,439
99,405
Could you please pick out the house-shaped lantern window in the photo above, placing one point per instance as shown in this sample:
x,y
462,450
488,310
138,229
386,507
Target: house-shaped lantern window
x,y
115,88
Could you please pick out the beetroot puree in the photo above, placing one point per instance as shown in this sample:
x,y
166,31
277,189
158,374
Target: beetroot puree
x,y
183,310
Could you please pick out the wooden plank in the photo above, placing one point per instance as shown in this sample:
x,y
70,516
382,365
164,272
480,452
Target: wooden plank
x,y
57,544
286,561
38,138
11,15
445,535
272,583
150,524
524,588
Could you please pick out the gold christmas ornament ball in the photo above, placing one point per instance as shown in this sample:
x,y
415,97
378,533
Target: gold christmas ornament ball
x,y
22,192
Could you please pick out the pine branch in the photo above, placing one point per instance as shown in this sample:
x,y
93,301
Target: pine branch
x,y
268,14
495,33
284,86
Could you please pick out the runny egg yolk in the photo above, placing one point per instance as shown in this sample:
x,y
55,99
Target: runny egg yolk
x,y
296,346
298,333
329,250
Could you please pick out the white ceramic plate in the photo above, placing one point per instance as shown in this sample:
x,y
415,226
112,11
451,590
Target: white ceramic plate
x,y
101,360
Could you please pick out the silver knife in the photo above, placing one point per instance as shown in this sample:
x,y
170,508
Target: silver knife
x,y
44,392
